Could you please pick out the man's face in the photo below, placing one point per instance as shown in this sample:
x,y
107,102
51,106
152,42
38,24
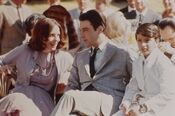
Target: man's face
x,y
83,4
131,3
88,33
139,5
168,35
146,44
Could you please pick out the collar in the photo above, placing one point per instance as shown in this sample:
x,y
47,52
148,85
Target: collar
x,y
103,44
143,12
13,4
151,59
130,9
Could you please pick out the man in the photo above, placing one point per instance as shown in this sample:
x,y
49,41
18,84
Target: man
x,y
95,88
129,11
144,14
83,6
167,31
12,33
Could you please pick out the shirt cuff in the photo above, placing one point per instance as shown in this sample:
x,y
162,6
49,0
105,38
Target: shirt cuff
x,y
173,58
126,103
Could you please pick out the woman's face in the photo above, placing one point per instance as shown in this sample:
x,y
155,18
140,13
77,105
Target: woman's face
x,y
53,40
146,44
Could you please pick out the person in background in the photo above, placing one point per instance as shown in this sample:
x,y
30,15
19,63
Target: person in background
x,y
144,14
167,31
103,7
151,90
118,29
169,8
12,16
62,16
54,2
130,10
40,65
30,23
83,6
99,73
2,1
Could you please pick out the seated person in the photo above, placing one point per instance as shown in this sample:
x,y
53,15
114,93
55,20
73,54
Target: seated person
x,y
167,31
151,90
99,73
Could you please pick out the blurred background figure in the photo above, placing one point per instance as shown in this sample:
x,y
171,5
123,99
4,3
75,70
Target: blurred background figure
x,y
167,31
30,23
2,1
62,16
103,7
130,10
12,16
145,14
118,29
83,6
169,8
54,2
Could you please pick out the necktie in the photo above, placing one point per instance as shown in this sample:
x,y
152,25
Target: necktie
x,y
92,59
140,19
18,12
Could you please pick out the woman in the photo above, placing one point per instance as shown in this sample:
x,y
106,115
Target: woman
x,y
151,90
118,29
40,64
62,16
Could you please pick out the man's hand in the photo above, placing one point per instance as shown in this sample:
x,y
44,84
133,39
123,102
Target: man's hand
x,y
166,47
133,110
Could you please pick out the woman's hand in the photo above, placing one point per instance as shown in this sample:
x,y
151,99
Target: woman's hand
x,y
60,88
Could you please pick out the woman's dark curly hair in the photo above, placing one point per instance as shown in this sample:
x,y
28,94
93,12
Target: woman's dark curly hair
x,y
41,33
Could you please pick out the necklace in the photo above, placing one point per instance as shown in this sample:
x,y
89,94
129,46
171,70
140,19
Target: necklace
x,y
46,71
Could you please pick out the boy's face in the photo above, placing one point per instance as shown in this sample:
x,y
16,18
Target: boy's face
x,y
145,44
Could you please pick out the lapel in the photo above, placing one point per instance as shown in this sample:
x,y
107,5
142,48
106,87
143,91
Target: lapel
x,y
109,52
139,72
86,62
151,60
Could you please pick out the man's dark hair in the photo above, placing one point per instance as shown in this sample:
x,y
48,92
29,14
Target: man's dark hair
x,y
167,22
93,17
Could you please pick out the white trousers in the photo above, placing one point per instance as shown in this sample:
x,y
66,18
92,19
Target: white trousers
x,y
91,103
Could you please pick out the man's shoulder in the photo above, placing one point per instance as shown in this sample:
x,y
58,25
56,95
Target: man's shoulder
x,y
112,46
123,10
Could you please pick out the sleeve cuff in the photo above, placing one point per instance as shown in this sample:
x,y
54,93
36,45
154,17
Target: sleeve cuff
x,y
173,58
126,103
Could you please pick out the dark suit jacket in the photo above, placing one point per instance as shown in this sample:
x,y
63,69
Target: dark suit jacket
x,y
128,15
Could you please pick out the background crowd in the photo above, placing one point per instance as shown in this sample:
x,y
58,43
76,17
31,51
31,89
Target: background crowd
x,y
93,59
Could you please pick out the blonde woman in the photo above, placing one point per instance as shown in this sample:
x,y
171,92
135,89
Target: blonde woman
x,y
118,29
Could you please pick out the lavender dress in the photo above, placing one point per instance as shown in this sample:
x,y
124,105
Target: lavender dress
x,y
37,74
